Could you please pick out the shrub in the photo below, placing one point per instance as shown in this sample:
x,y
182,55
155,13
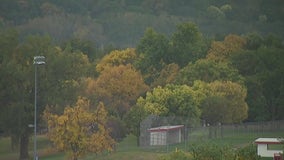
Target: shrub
x,y
247,153
178,155
211,151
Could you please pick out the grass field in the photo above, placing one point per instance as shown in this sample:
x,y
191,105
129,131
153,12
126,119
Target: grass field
x,y
127,149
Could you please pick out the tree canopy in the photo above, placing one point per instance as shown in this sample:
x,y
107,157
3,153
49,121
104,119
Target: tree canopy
x,y
171,100
78,130
119,87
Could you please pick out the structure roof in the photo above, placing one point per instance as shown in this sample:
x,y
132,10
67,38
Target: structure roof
x,y
165,128
269,141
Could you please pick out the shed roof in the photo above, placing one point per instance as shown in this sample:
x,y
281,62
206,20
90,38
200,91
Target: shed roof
x,y
165,128
269,141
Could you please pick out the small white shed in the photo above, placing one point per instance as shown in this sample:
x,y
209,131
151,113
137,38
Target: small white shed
x,y
263,146
164,135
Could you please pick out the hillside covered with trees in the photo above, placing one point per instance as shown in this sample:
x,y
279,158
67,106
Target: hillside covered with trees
x,y
122,22
113,63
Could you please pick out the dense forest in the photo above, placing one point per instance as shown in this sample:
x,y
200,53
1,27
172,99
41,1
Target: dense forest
x,y
122,22
217,61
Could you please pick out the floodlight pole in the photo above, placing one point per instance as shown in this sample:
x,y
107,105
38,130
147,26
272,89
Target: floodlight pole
x,y
38,60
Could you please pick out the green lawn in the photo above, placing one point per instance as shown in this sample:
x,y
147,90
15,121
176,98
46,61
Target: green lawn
x,y
127,149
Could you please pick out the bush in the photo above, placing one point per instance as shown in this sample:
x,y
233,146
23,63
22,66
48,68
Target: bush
x,y
178,155
211,151
247,153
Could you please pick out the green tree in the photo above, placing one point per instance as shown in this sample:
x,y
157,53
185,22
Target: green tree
x,y
273,80
78,130
255,97
187,44
58,82
215,111
64,70
87,47
153,51
225,94
221,102
253,41
133,118
264,80
215,12
208,71
172,100
17,88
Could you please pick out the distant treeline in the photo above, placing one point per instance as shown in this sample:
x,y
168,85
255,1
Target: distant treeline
x,y
122,22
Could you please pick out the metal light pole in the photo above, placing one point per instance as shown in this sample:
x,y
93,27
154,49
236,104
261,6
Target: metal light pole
x,y
38,60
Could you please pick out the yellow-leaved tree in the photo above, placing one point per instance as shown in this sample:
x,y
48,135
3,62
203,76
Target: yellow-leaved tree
x,y
116,58
221,51
79,131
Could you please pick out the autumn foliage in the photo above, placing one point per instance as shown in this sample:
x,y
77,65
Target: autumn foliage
x,y
78,130
118,87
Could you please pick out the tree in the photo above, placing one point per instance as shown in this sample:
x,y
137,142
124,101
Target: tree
x,y
225,94
208,71
167,75
63,73
172,100
263,78
187,44
118,87
254,41
222,51
78,130
215,111
87,47
133,118
221,102
58,82
215,13
153,51
116,58
17,88
117,127
272,79
255,97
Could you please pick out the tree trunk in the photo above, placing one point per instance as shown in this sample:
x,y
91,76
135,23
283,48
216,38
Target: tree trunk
x,y
14,142
222,131
215,131
24,143
210,132
138,136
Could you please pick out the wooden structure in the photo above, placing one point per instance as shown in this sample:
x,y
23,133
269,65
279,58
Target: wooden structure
x,y
165,135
